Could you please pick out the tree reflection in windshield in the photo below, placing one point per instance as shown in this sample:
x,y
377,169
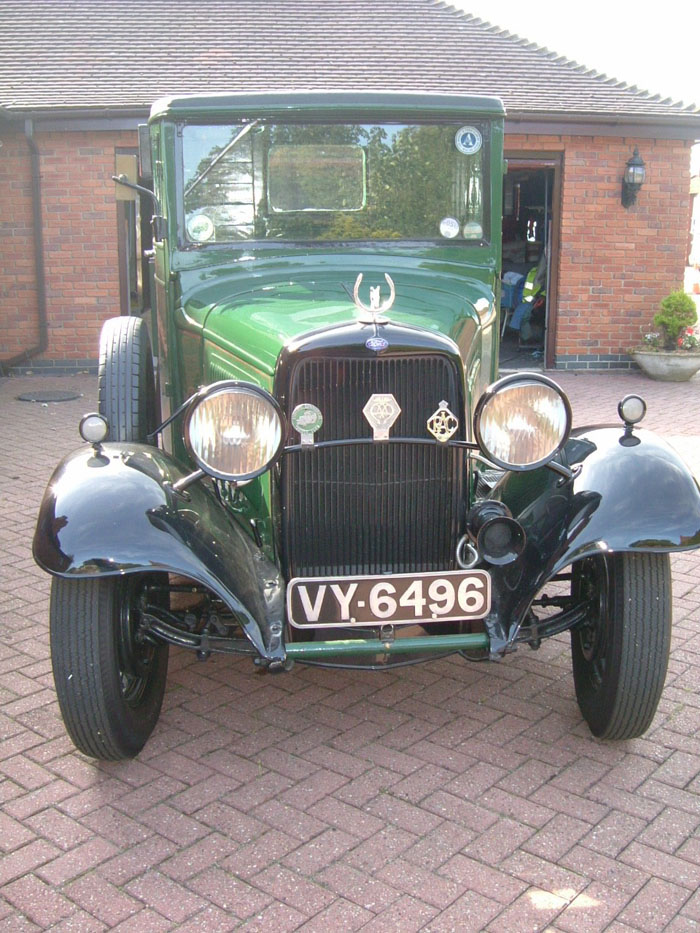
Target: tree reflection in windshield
x,y
316,182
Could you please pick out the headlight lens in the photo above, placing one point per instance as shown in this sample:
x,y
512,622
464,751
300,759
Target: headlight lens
x,y
93,428
234,430
632,409
522,421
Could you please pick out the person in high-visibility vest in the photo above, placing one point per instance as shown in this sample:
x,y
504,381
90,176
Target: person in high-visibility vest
x,y
535,280
533,287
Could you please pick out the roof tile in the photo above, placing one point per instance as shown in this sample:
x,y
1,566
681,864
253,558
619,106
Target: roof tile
x,y
122,54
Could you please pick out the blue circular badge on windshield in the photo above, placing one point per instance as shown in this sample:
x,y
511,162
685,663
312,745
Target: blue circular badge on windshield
x,y
468,140
377,344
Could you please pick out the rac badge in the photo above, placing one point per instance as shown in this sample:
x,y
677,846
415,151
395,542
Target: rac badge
x,y
442,424
381,411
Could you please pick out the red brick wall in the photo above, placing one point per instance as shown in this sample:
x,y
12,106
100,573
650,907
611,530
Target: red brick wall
x,y
19,328
80,242
615,263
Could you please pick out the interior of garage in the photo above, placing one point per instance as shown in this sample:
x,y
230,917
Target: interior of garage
x,y
527,297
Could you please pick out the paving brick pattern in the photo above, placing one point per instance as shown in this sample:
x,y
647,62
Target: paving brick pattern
x,y
446,796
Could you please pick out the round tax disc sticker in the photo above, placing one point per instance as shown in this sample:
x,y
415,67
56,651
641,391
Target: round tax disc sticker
x,y
468,140
449,227
200,228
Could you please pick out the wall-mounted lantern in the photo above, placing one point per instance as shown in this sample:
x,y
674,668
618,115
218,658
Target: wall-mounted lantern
x,y
633,179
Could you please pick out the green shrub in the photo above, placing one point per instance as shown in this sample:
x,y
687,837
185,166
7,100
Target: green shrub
x,y
676,315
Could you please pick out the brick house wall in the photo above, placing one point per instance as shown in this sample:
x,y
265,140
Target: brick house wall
x,y
615,264
17,275
80,245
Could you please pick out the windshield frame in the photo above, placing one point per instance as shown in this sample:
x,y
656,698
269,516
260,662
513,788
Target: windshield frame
x,y
483,122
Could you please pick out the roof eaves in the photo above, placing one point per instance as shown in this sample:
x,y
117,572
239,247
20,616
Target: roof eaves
x,y
680,125
68,111
686,121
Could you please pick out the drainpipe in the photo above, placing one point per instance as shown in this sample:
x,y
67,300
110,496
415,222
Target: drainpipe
x,y
39,269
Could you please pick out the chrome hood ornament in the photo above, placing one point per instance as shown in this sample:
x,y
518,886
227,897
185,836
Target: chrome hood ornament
x,y
373,313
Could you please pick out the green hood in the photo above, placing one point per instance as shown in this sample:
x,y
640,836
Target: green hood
x,y
252,317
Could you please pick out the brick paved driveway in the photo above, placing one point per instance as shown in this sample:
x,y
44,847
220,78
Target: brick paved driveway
x,y
446,796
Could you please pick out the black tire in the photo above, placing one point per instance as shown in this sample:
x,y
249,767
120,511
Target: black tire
x,y
620,654
110,688
125,384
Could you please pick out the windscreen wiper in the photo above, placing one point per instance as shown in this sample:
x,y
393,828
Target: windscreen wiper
x,y
227,148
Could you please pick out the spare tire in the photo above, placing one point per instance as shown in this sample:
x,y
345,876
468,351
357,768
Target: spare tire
x,y
126,389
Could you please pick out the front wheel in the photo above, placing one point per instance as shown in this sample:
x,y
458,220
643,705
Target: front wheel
x,y
110,684
620,651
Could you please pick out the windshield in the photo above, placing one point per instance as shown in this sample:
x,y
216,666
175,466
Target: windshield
x,y
312,182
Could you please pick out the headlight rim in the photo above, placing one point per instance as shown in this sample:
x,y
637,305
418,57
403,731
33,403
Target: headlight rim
x,y
504,383
214,388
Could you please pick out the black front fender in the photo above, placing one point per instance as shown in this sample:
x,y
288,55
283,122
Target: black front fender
x,y
629,493
115,512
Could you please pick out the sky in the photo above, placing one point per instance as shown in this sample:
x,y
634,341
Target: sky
x,y
656,47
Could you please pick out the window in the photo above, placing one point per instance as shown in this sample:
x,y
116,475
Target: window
x,y
315,182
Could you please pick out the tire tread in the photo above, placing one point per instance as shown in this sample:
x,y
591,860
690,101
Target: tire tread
x,y
84,659
645,646
639,637
122,383
77,665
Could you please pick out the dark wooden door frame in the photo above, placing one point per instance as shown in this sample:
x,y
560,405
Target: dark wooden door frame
x,y
524,159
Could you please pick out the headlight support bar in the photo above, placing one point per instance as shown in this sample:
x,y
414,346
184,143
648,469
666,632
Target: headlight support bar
x,y
560,469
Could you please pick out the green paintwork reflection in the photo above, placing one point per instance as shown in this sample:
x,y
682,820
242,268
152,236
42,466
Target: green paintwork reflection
x,y
255,319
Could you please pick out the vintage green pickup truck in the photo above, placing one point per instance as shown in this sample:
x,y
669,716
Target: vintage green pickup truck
x,y
309,456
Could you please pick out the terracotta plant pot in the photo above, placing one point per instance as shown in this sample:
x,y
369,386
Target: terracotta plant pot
x,y
667,365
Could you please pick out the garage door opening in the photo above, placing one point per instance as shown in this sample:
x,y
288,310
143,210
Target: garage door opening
x,y
530,228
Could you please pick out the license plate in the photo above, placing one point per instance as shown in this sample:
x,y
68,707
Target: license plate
x,y
396,599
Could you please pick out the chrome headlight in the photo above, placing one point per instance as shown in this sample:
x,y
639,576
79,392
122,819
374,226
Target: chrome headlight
x,y
522,421
234,430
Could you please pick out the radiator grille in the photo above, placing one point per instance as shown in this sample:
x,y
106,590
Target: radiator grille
x,y
372,508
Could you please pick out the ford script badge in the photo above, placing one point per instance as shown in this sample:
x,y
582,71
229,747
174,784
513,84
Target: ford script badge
x,y
377,344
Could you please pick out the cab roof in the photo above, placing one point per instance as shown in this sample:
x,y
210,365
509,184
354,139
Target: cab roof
x,y
331,103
